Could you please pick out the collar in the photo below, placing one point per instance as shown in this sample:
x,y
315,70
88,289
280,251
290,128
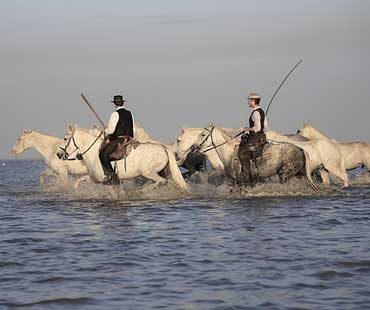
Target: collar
x,y
256,108
119,108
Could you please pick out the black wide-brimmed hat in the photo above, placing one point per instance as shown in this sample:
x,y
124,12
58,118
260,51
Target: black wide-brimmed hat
x,y
118,99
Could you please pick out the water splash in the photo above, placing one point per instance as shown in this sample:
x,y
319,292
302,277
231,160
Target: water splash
x,y
203,186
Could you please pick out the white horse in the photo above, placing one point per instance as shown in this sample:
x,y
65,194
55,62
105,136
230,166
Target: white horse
x,y
355,154
283,160
186,140
319,153
189,135
147,159
47,146
190,164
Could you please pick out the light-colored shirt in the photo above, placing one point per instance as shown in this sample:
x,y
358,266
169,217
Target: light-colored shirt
x,y
113,121
256,117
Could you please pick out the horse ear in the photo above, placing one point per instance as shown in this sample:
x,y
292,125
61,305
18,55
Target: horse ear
x,y
210,124
70,127
182,131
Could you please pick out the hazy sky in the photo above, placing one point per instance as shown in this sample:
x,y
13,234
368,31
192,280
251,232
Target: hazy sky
x,y
184,64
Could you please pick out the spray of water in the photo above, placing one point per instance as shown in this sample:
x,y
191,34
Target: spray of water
x,y
203,185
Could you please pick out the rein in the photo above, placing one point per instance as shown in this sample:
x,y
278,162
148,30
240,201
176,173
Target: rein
x,y
213,144
78,155
209,135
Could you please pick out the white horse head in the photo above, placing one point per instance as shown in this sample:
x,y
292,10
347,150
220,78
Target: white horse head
x,y
184,143
22,143
211,137
310,132
70,147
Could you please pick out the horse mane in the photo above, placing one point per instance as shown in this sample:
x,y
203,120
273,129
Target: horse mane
x,y
308,125
27,132
227,133
231,132
143,133
85,130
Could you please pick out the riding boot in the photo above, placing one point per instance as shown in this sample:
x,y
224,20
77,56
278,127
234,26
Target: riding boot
x,y
115,180
111,179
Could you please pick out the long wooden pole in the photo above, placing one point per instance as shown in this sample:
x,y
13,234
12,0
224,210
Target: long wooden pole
x,y
92,110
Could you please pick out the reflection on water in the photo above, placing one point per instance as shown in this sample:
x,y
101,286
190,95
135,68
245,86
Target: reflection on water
x,y
62,249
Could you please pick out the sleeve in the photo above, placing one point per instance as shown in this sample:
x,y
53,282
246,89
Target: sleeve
x,y
113,120
257,122
266,126
133,125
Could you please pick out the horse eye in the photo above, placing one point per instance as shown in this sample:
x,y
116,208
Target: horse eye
x,y
65,139
203,135
178,140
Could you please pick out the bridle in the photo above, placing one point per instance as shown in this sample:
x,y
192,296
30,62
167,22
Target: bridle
x,y
210,135
78,155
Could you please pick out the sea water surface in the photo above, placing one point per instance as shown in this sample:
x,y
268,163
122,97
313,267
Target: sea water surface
x,y
274,248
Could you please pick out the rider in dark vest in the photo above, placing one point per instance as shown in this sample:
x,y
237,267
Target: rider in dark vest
x,y
120,128
253,139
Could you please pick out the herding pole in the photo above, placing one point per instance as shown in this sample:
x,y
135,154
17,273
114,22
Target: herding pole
x,y
268,107
272,98
92,110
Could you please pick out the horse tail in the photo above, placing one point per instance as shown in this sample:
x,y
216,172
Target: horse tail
x,y
308,171
175,172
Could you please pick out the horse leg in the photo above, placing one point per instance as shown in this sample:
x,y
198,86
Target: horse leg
x,y
44,174
366,165
286,172
81,179
339,172
155,177
324,177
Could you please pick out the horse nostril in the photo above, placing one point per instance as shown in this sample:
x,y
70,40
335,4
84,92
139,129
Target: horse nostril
x,y
177,157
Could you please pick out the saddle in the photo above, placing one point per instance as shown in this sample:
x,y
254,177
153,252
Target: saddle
x,y
252,147
123,149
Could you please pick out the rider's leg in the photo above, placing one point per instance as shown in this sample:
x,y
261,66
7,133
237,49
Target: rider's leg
x,y
111,176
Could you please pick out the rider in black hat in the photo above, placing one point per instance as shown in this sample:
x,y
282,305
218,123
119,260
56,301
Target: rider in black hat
x,y
120,128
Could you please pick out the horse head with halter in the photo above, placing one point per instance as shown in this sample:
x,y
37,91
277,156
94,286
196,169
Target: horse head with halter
x,y
203,137
65,154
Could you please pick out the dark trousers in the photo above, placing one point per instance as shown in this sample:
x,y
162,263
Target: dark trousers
x,y
251,147
104,156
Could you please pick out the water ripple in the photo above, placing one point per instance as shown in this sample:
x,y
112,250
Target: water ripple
x,y
61,249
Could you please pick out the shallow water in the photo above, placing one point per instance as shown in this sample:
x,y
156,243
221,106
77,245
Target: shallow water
x,y
271,248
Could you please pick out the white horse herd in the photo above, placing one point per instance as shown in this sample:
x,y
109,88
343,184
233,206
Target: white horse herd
x,y
159,162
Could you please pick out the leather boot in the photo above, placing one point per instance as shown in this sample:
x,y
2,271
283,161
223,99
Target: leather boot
x,y
114,179
111,179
